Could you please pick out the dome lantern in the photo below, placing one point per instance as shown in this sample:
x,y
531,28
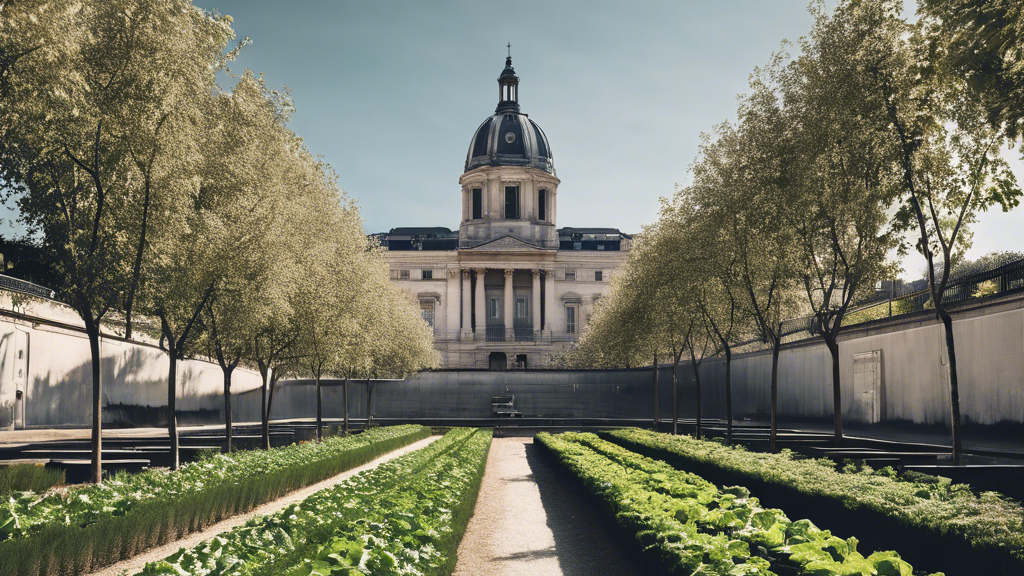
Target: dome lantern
x,y
508,87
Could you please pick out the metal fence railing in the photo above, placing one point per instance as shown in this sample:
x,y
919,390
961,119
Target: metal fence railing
x,y
524,333
1004,279
16,285
496,333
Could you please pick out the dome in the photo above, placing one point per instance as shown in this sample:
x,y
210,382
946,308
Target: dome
x,y
509,138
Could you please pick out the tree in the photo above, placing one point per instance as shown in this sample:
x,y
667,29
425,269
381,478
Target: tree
x,y
77,77
981,42
947,156
846,185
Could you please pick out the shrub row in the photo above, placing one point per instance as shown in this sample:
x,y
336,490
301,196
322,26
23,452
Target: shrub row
x,y
28,477
405,516
932,522
686,525
90,527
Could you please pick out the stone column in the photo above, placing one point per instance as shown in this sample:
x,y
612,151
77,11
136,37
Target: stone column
x,y
535,304
480,303
467,305
549,303
509,304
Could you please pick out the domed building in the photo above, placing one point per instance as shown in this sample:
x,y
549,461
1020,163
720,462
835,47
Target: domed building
x,y
509,289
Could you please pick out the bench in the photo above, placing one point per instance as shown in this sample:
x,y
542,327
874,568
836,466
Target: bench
x,y
504,406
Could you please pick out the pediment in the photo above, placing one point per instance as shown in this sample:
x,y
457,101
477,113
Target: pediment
x,y
505,244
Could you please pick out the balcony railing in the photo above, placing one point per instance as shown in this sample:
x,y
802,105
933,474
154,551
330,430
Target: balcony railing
x,y
524,333
496,333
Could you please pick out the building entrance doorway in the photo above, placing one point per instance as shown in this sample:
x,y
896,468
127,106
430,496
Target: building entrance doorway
x,y
498,362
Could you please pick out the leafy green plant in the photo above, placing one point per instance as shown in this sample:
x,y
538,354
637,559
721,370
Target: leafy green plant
x,y
405,516
93,526
687,525
960,524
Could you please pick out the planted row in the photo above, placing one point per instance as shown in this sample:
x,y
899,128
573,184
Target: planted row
x,y
405,516
687,525
93,526
936,519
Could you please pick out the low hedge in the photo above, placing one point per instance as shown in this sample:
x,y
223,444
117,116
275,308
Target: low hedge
x,y
90,527
28,477
685,525
405,516
933,523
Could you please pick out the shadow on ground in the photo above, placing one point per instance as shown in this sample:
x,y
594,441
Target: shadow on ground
x,y
585,544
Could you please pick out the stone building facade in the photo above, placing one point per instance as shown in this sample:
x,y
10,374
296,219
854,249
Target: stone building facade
x,y
509,289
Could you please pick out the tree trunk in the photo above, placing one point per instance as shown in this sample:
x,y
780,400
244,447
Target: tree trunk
x,y
776,344
728,395
93,330
270,408
369,403
837,396
954,386
655,371
344,397
172,405
264,424
319,412
696,379
675,396
227,409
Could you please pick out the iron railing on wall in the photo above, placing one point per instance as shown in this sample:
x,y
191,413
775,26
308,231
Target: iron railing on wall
x,y
1004,279
524,333
16,285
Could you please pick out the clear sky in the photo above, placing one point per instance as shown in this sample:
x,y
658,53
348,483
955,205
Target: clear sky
x,y
389,93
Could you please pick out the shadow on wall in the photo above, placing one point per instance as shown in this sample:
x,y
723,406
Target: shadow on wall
x,y
131,397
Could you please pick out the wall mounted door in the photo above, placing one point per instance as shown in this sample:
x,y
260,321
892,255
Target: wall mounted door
x,y
867,386
20,377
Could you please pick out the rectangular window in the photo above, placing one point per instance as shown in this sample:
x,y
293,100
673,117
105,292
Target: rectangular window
x,y
570,319
522,308
598,276
403,274
570,275
511,202
478,203
427,275
542,205
427,311
493,308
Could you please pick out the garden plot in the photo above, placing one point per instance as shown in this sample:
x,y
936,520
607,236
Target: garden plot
x,y
84,528
683,524
405,516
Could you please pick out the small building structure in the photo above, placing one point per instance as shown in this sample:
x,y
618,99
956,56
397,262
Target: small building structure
x,y
509,289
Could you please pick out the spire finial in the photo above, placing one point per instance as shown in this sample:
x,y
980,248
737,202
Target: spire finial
x,y
509,49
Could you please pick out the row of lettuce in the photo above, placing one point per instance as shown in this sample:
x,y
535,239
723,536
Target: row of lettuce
x,y
84,528
928,517
684,524
403,517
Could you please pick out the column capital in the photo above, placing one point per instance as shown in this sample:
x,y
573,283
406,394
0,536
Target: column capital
x,y
535,272
509,272
465,272
480,271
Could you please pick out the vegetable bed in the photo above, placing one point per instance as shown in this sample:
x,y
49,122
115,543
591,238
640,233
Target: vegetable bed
x,y
931,521
686,525
406,516
92,526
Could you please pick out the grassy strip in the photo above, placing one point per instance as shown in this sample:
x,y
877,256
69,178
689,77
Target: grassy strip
x,y
931,522
405,516
28,477
156,507
686,525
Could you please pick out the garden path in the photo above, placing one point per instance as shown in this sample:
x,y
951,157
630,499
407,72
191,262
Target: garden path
x,y
133,565
529,521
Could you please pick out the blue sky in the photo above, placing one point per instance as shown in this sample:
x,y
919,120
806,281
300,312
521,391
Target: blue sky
x,y
389,93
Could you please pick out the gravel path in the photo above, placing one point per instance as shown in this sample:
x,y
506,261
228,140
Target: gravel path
x,y
529,521
133,565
